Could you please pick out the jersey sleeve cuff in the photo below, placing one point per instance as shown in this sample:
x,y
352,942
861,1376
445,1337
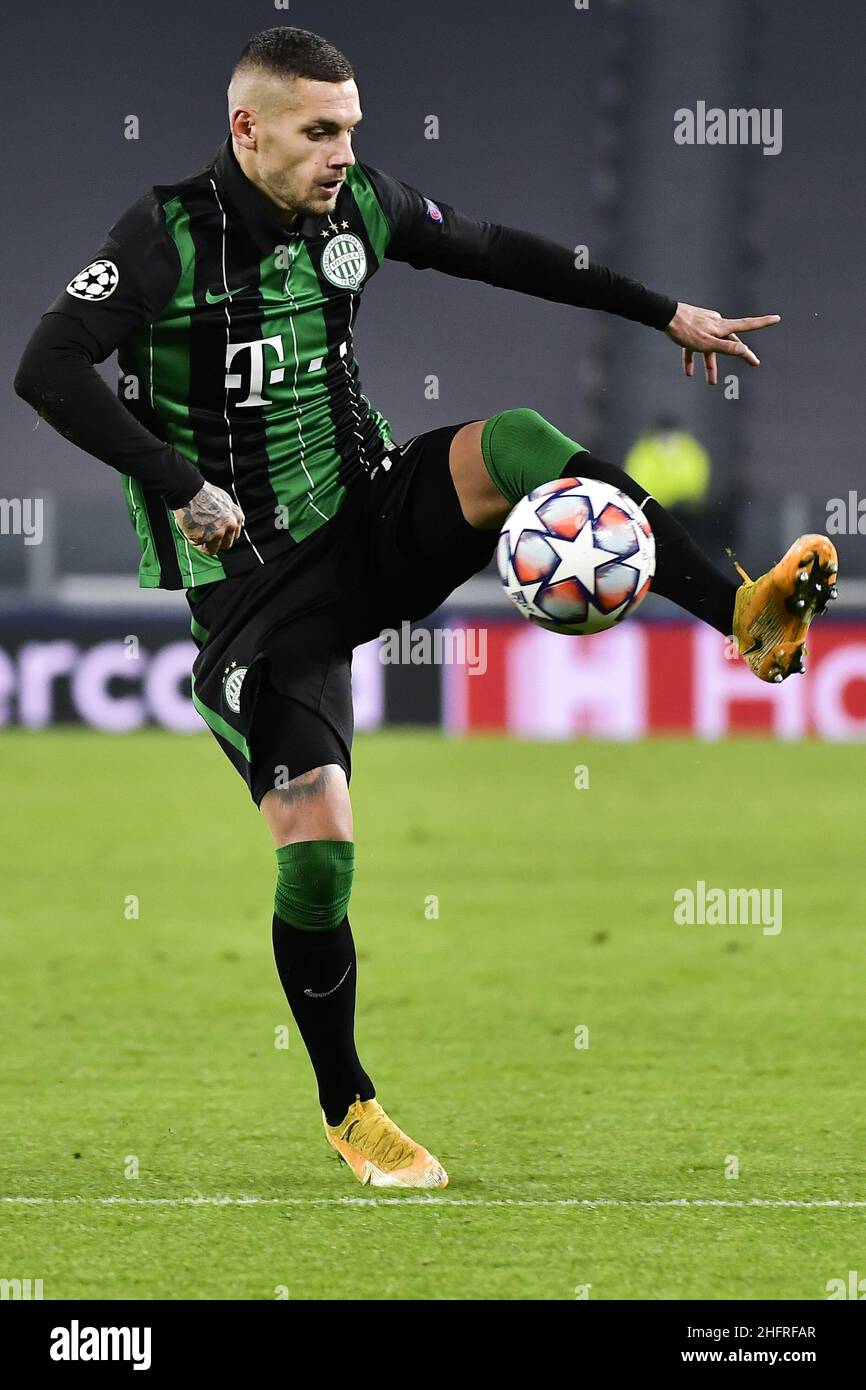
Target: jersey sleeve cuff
x,y
186,481
660,310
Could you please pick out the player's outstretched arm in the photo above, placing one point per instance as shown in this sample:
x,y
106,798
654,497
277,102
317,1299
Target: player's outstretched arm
x,y
435,235
707,332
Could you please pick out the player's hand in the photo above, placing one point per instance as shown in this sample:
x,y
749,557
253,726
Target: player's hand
x,y
706,332
211,521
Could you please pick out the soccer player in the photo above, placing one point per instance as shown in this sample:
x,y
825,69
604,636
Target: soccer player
x,y
262,481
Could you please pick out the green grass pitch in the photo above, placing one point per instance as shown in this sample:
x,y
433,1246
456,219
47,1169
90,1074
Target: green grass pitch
x,y
147,1044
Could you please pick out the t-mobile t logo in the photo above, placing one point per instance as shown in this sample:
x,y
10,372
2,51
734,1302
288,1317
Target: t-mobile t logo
x,y
256,349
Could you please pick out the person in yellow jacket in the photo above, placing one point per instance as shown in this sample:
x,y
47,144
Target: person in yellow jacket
x,y
671,464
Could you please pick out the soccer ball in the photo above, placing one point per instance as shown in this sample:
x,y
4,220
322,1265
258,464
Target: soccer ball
x,y
576,556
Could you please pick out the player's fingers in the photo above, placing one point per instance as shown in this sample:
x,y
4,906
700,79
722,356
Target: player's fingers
x,y
225,539
734,348
209,546
746,352
688,362
710,368
728,326
237,527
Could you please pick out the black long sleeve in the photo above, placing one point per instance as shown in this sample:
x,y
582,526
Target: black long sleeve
x,y
57,377
435,235
122,291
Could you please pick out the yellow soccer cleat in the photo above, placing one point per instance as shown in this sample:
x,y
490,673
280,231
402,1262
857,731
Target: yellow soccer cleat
x,y
379,1153
772,614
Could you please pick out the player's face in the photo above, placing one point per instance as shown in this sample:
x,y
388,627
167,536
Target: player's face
x,y
304,149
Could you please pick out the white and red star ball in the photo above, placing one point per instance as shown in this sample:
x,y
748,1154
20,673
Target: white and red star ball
x,y
576,556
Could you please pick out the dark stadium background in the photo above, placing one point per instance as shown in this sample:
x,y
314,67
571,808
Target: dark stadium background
x,y
552,119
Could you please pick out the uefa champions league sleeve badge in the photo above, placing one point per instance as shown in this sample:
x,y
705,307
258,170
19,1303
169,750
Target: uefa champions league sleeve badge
x,y
96,281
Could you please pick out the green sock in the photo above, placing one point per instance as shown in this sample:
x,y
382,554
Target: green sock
x,y
522,450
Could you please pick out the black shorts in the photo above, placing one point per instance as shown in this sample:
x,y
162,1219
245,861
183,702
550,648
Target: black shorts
x,y
273,675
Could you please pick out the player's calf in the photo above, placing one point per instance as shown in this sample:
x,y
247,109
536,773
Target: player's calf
x,y
316,961
311,822
317,965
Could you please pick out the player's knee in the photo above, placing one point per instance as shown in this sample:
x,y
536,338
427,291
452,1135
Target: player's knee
x,y
517,421
314,883
521,450
523,416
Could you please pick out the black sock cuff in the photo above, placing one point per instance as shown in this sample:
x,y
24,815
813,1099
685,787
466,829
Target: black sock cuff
x,y
299,940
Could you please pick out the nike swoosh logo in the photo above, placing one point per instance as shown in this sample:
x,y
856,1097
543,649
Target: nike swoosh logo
x,y
218,298
313,995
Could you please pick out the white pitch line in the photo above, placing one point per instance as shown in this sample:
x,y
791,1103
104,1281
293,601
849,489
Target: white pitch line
x,y
589,1202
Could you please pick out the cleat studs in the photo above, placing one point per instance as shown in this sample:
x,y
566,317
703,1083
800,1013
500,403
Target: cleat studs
x,y
834,592
802,576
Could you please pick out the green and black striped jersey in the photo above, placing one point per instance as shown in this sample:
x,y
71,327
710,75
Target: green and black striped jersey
x,y
234,340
